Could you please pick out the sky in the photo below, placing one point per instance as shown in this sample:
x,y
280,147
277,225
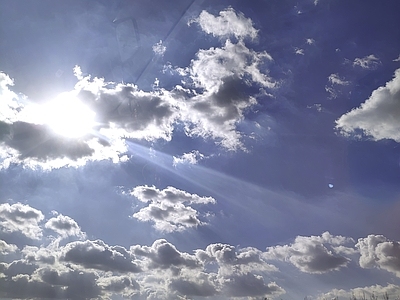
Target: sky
x,y
199,149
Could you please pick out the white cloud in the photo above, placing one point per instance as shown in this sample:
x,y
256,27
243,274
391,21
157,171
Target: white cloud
x,y
191,158
227,24
299,51
310,41
64,226
367,62
378,116
379,252
6,248
336,79
397,59
21,218
313,254
159,48
169,209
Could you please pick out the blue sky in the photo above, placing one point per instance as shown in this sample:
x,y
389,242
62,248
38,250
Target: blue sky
x,y
199,149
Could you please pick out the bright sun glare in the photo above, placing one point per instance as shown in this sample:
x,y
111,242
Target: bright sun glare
x,y
68,116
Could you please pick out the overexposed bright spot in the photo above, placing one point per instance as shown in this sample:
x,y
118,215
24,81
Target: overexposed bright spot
x,y
330,185
68,116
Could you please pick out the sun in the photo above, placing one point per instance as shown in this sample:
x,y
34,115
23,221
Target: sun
x,y
66,115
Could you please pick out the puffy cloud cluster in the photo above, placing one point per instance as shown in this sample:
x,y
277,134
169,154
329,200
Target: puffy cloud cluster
x,y
83,269
378,116
211,106
379,252
314,254
169,209
369,292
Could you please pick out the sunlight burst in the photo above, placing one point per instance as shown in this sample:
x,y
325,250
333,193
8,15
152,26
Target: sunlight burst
x,y
68,116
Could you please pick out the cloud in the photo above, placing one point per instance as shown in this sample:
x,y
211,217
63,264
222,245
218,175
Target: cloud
x,y
227,24
370,62
163,255
169,209
224,74
311,254
336,83
379,252
100,256
64,226
39,256
21,218
191,158
159,48
7,248
378,116
369,292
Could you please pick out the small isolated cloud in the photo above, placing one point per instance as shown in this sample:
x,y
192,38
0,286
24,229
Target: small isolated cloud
x,y
379,252
379,116
299,51
64,226
314,254
21,218
397,59
310,41
169,209
370,62
335,85
227,24
335,79
191,158
159,48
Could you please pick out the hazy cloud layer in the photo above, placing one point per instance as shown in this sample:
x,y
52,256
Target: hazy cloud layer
x,y
169,209
378,116
314,254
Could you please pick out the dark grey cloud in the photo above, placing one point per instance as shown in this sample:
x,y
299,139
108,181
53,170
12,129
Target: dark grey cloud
x,y
314,254
100,256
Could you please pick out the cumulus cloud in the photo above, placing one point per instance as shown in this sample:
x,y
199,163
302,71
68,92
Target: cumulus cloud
x,y
21,218
313,254
164,255
367,62
98,255
169,209
64,226
379,252
227,24
378,116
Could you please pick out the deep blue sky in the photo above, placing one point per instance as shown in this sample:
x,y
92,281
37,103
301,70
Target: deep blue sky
x,y
235,149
